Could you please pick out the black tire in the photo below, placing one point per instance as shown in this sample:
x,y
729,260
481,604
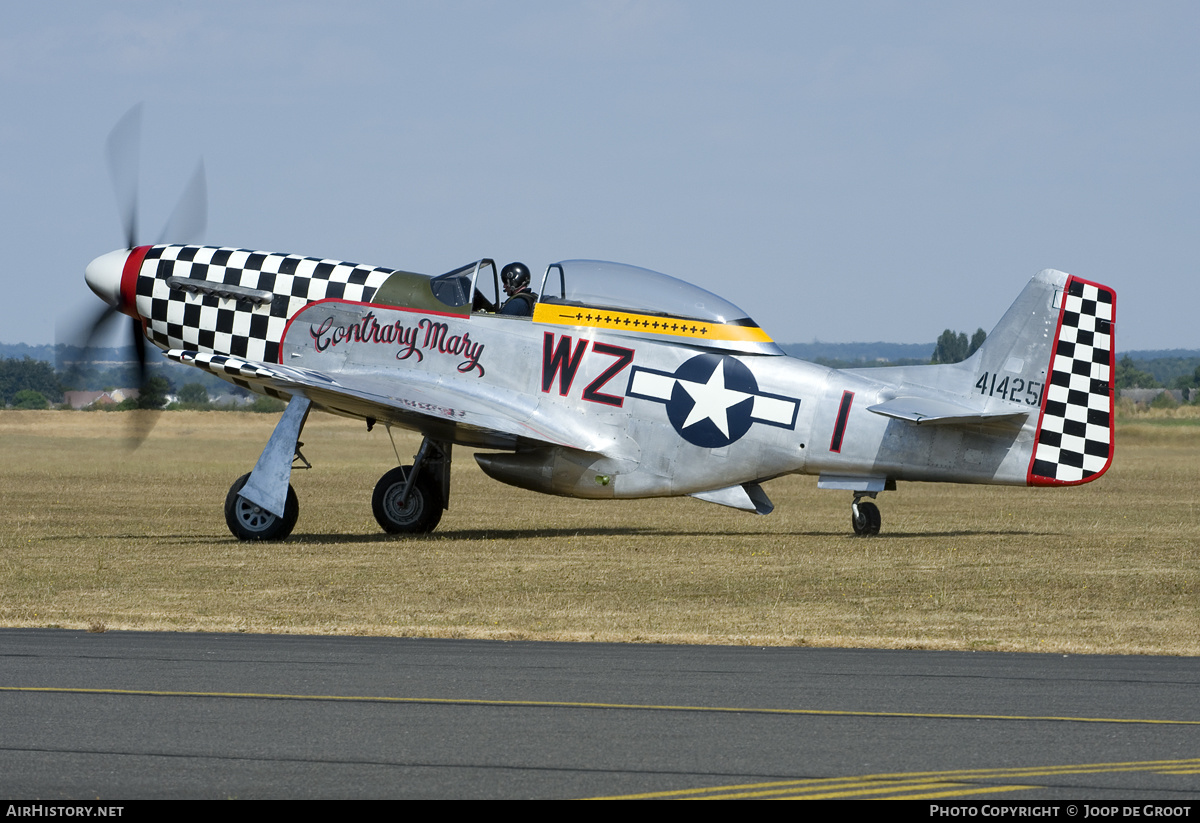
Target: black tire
x,y
250,522
868,521
419,515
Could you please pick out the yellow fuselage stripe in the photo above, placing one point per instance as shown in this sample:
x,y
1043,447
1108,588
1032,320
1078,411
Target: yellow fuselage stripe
x,y
648,324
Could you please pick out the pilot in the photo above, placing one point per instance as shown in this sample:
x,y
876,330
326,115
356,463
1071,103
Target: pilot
x,y
516,285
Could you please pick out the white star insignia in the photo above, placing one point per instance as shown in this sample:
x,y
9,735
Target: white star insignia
x,y
712,400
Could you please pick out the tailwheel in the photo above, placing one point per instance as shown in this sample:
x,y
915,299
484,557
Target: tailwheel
x,y
419,513
249,521
865,518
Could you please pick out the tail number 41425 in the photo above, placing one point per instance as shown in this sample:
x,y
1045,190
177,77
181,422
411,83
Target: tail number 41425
x,y
1012,389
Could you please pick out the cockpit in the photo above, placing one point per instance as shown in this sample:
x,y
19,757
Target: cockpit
x,y
623,299
597,284
594,284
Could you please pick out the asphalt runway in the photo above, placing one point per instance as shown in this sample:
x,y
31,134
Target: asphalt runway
x,y
127,715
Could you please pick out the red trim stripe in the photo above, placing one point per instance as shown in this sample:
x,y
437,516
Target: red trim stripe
x,y
839,428
129,276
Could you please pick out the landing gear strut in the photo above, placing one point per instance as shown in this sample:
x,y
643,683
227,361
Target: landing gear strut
x,y
262,505
864,517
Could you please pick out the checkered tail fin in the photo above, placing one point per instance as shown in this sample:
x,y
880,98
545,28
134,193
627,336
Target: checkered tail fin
x,y
1074,440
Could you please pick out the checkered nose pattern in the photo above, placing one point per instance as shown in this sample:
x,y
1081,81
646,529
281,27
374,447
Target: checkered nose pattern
x,y
238,302
1074,439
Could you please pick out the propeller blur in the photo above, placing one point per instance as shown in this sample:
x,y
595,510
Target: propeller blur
x,y
103,275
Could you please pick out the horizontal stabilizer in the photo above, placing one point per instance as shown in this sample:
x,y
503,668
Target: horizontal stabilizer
x,y
939,411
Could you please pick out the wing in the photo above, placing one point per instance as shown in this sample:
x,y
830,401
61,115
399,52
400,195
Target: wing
x,y
500,420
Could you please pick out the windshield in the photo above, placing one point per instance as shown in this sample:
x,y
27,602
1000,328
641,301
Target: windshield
x,y
468,285
617,286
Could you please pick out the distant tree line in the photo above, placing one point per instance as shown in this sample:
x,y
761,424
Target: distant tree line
x,y
955,348
858,355
835,363
27,383
1164,373
84,376
1159,372
24,381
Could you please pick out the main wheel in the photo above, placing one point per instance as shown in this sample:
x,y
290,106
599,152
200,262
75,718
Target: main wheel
x,y
420,514
867,521
250,522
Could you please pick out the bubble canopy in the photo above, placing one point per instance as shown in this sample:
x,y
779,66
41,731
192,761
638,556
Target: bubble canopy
x,y
600,284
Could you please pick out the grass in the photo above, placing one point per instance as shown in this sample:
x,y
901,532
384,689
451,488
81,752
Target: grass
x,y
96,537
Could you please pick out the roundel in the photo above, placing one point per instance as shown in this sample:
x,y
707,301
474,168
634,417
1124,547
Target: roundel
x,y
712,402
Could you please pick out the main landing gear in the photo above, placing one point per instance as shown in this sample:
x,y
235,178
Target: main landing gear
x,y
410,499
864,516
262,505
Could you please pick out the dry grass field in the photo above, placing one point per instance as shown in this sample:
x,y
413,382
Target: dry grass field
x,y
92,535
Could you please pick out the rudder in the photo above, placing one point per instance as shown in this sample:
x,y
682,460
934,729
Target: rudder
x,y
1074,440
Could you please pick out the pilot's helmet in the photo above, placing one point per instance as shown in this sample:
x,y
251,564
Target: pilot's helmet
x,y
515,277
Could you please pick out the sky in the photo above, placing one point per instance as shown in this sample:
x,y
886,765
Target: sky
x,y
850,171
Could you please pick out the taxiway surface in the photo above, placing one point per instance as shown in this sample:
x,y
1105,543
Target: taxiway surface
x,y
126,715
